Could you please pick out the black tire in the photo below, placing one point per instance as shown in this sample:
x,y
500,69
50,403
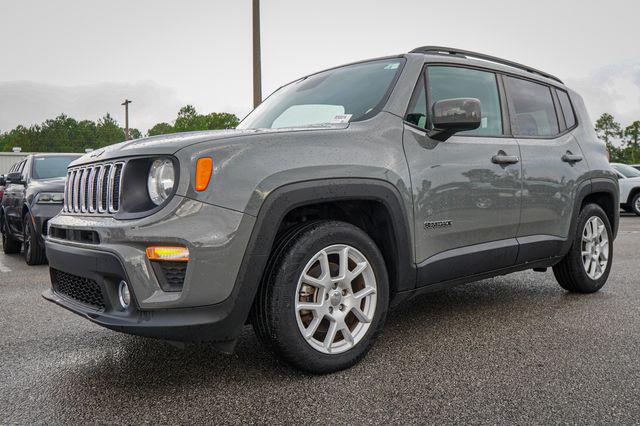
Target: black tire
x,y
274,315
34,252
570,272
9,244
635,204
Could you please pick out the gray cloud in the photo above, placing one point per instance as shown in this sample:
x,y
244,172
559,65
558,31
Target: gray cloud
x,y
614,89
199,51
26,103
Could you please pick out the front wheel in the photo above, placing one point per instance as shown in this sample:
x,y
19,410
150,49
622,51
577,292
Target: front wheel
x,y
325,297
34,253
586,267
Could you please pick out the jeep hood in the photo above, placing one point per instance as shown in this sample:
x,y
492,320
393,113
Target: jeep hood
x,y
170,144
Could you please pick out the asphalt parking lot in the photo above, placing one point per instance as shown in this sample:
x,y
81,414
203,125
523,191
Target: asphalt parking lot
x,y
510,349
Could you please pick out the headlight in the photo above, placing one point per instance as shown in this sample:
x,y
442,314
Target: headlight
x,y
49,198
161,180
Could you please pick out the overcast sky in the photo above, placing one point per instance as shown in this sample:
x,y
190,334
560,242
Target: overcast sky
x,y
83,57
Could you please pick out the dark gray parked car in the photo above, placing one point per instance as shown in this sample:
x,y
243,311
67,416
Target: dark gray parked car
x,y
33,195
344,193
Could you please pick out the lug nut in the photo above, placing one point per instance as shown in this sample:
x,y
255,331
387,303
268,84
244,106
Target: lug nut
x,y
344,292
330,309
341,307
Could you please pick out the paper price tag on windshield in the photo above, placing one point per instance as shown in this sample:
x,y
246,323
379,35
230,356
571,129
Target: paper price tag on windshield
x,y
341,119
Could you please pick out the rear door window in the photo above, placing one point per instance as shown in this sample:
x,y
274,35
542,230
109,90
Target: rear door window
x,y
533,113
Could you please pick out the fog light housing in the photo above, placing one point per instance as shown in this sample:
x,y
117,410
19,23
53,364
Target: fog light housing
x,y
124,295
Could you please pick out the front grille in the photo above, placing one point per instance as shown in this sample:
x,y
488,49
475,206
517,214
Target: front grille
x,y
79,235
81,289
94,189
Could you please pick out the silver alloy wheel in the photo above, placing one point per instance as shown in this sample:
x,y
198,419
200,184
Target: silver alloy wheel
x,y
335,299
637,204
595,247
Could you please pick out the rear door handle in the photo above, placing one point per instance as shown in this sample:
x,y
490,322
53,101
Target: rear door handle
x,y
504,159
571,158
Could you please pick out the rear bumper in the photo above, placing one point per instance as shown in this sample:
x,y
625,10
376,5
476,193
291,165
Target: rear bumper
x,y
219,324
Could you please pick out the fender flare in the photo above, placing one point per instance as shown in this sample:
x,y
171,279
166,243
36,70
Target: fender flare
x,y
288,197
609,186
585,189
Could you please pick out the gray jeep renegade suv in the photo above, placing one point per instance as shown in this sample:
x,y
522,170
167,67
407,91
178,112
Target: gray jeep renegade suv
x,y
344,193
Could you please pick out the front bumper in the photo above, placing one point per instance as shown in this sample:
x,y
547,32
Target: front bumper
x,y
216,238
218,324
210,305
42,214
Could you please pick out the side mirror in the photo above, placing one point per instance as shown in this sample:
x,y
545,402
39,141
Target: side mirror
x,y
3,181
451,116
15,177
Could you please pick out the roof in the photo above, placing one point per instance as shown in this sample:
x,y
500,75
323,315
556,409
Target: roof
x,y
466,54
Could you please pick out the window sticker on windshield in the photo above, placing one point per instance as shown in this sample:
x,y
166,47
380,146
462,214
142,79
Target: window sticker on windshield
x,y
393,66
341,119
484,122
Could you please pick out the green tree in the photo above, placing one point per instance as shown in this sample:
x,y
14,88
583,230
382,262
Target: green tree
x,y
134,133
108,132
189,120
632,140
608,129
65,134
160,129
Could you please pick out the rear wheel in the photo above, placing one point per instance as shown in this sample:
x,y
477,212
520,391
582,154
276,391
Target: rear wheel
x,y
586,267
635,204
324,299
9,245
34,252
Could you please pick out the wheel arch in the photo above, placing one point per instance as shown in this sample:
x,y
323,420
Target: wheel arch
x,y
634,191
603,192
285,199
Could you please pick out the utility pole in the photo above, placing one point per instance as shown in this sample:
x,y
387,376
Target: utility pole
x,y
126,118
257,78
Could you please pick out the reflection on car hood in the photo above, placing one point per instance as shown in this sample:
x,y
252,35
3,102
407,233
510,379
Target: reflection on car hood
x,y
169,144
53,184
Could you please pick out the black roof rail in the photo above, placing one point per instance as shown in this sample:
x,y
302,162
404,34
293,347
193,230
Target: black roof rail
x,y
439,50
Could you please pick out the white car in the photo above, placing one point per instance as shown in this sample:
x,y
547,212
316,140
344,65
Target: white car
x,y
629,180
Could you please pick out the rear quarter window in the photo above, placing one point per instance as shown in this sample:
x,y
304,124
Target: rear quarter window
x,y
567,109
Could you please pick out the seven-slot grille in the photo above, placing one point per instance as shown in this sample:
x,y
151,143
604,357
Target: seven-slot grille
x,y
94,188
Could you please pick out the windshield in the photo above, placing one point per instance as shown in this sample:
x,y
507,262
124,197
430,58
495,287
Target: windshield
x,y
626,171
349,93
51,167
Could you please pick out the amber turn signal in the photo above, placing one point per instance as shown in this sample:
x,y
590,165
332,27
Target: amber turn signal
x,y
204,169
168,253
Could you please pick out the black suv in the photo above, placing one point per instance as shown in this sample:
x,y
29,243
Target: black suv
x,y
33,195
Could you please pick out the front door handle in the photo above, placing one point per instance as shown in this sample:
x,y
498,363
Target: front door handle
x,y
571,158
502,158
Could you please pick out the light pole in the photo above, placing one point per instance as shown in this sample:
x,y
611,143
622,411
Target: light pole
x,y
126,118
257,78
